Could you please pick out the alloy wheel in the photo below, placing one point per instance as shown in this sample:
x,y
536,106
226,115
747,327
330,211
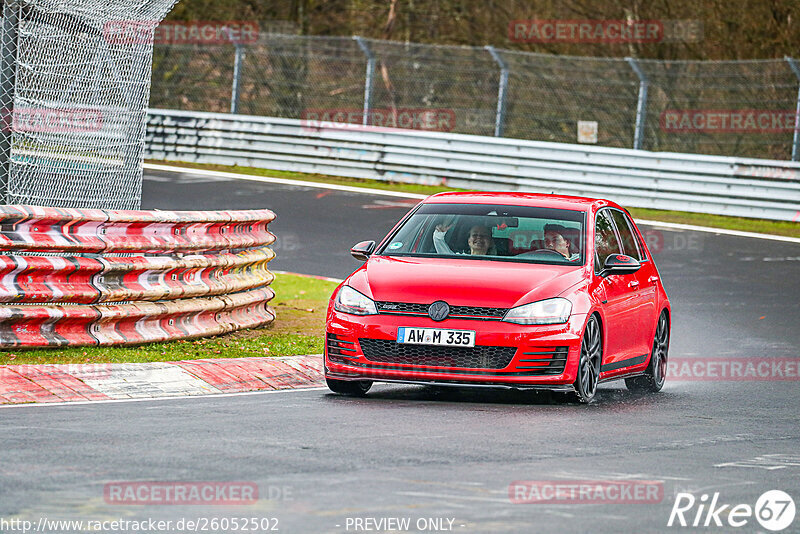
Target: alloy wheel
x,y
589,364
656,373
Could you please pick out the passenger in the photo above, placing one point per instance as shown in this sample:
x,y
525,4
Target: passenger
x,y
480,240
554,240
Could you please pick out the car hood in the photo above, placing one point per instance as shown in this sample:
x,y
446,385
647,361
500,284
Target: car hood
x,y
462,282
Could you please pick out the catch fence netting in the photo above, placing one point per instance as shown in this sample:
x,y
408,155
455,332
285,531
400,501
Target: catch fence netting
x,y
74,87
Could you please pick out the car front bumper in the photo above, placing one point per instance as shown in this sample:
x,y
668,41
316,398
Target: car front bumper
x,y
533,356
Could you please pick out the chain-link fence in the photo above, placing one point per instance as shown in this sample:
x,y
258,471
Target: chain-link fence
x,y
763,90
744,108
74,86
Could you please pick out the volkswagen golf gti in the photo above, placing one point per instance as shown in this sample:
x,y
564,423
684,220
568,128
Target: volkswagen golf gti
x,y
506,290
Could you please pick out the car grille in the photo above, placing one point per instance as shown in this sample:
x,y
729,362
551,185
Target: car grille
x,y
478,357
543,361
408,308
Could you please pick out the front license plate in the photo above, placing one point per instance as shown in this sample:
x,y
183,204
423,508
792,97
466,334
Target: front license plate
x,y
436,336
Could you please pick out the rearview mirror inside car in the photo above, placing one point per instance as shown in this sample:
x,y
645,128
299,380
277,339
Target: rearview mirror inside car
x,y
361,251
501,223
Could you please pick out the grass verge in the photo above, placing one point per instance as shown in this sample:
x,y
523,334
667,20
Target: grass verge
x,y
785,228
300,304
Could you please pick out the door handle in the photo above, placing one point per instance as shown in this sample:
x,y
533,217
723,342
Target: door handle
x,y
634,284
653,279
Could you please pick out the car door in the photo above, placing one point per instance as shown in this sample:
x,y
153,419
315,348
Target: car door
x,y
620,297
644,282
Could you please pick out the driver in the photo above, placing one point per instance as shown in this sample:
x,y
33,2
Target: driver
x,y
554,240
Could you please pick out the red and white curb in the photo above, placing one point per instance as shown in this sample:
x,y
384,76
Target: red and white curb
x,y
115,381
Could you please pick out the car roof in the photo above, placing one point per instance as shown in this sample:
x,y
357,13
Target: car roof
x,y
520,199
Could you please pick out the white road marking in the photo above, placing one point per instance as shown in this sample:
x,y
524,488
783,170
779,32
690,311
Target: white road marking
x,y
751,258
707,489
443,496
113,401
366,190
140,380
389,204
769,462
586,475
722,231
285,181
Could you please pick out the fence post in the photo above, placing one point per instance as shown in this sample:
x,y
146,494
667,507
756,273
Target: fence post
x,y
796,137
8,69
367,78
237,74
641,105
502,91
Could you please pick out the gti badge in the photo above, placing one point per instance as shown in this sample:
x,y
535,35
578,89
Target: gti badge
x,y
439,310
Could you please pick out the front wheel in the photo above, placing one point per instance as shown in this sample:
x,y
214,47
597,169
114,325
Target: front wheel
x,y
353,388
656,373
589,364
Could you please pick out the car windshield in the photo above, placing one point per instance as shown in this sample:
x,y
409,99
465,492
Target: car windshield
x,y
491,232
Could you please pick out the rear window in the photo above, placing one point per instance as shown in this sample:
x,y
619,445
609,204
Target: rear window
x,y
491,232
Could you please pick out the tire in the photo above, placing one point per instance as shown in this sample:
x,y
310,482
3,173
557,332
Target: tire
x,y
352,388
656,373
589,364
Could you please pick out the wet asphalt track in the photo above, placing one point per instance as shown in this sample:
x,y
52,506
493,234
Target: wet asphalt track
x,y
412,452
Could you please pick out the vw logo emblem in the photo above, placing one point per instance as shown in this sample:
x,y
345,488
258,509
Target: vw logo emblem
x,y
439,310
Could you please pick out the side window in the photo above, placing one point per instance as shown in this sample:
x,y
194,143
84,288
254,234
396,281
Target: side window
x,y
626,235
605,241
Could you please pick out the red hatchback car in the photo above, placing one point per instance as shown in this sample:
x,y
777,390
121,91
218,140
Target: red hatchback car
x,y
510,290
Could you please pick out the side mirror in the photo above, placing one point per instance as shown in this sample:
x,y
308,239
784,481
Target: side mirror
x,y
620,264
361,251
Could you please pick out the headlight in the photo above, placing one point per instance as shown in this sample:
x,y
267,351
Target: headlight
x,y
550,311
348,300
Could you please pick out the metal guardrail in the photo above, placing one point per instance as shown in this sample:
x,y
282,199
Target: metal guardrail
x,y
742,187
193,274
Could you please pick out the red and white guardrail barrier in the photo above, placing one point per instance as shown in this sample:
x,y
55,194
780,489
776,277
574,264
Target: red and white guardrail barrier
x,y
183,274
